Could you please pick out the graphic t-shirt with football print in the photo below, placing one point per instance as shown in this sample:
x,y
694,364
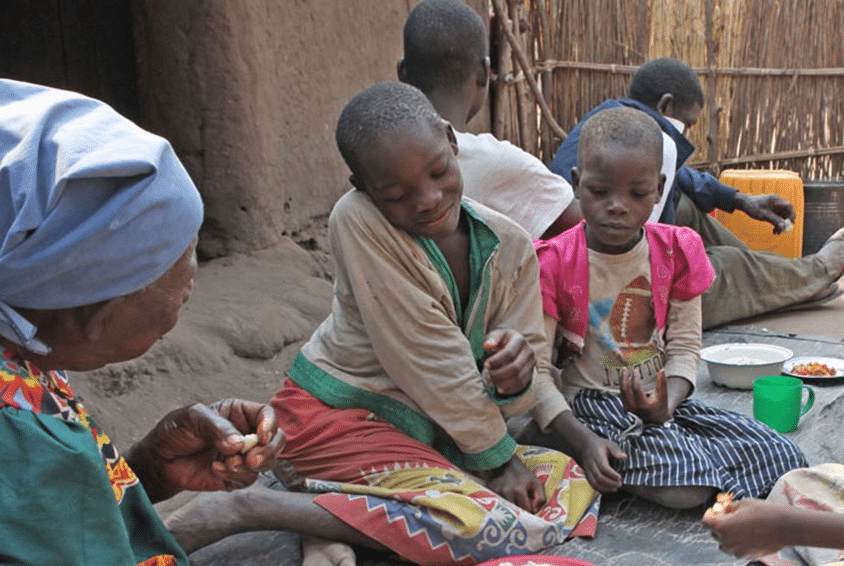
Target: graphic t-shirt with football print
x,y
622,330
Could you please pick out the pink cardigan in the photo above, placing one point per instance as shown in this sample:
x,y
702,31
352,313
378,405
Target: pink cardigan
x,y
679,270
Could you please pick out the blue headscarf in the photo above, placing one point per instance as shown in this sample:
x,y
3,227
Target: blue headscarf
x,y
92,207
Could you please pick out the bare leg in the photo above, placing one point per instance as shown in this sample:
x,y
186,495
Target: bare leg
x,y
215,515
750,283
833,252
679,497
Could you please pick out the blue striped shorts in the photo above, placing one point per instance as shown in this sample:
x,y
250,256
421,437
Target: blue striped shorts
x,y
700,446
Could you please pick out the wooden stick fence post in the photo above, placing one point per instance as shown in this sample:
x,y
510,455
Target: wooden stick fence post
x,y
546,135
773,95
500,127
522,59
522,101
711,89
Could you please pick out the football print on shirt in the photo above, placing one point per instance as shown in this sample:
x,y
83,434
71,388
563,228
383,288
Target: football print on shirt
x,y
627,328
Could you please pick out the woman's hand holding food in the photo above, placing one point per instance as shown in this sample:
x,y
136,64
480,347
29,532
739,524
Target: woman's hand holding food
x,y
752,528
205,448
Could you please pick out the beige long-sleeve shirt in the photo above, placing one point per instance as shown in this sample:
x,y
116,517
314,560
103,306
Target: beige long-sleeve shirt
x,y
392,343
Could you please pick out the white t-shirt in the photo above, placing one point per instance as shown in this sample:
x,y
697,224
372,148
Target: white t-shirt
x,y
511,181
669,168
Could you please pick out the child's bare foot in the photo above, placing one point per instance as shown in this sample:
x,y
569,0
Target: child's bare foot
x,y
322,552
209,517
833,251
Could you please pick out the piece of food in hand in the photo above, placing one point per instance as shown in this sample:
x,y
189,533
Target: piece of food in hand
x,y
249,442
722,503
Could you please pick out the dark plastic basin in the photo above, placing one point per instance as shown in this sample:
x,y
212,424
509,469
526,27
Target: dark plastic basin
x,y
823,212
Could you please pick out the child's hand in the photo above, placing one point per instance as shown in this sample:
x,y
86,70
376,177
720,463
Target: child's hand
x,y
510,361
593,453
595,460
652,408
517,484
749,528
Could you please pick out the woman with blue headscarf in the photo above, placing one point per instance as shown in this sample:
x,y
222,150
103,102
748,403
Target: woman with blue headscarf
x,y
98,229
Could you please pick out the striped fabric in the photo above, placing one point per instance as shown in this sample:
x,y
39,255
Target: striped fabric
x,y
700,446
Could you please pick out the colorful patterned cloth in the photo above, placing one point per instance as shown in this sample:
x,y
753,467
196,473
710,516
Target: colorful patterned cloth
x,y
58,469
410,498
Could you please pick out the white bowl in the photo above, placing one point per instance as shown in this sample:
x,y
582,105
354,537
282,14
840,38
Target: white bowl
x,y
737,365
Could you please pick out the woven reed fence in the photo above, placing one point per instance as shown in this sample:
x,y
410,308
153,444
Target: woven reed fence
x,y
772,72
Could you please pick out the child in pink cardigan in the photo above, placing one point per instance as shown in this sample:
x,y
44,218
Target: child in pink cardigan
x,y
621,298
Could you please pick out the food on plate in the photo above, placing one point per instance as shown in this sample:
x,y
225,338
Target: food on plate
x,y
249,442
814,369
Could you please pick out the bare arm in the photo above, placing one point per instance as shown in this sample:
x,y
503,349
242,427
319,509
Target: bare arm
x,y
656,407
592,452
753,528
568,218
682,355
515,483
510,361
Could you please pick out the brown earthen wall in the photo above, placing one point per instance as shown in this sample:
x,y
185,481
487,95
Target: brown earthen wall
x,y
248,93
246,90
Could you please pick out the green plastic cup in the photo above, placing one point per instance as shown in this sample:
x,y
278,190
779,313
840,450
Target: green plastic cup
x,y
778,401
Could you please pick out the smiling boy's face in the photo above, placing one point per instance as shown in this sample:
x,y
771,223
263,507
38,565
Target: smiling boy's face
x,y
617,186
414,180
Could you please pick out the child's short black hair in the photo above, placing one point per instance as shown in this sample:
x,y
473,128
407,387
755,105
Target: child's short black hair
x,y
621,125
666,75
383,108
444,41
